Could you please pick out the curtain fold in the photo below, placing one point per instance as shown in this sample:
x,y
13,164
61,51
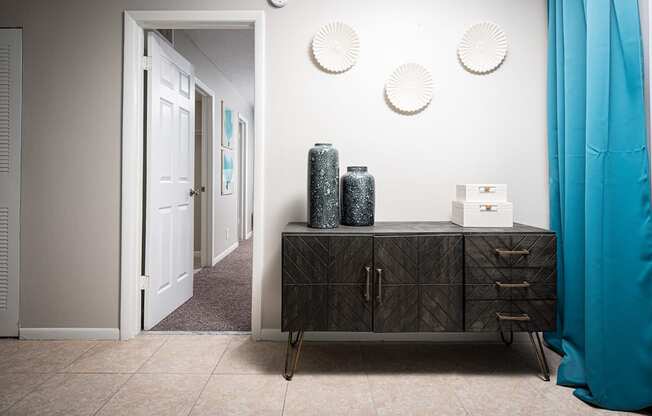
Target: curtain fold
x,y
600,201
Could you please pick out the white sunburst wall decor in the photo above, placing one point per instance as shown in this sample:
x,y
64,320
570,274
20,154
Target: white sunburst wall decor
x,y
336,47
483,48
410,88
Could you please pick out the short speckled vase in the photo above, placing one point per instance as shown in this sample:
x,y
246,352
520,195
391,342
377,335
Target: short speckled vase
x,y
323,186
358,197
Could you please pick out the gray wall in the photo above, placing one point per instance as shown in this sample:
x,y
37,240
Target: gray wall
x,y
225,207
478,128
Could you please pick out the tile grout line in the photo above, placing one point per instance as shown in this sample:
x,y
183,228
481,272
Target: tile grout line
x,y
50,376
129,378
285,396
226,349
210,375
366,375
99,409
63,370
194,404
153,354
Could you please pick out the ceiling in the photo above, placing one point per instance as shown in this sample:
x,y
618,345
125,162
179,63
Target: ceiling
x,y
232,51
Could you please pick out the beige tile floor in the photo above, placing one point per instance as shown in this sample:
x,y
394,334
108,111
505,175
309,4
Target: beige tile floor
x,y
231,375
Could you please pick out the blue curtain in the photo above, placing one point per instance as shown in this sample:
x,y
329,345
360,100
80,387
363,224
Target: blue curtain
x,y
600,201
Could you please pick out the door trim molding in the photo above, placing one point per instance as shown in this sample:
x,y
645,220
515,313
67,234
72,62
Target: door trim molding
x,y
132,148
243,170
69,333
207,173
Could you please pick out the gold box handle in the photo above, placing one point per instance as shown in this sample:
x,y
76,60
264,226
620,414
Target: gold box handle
x,y
523,285
522,317
502,252
487,189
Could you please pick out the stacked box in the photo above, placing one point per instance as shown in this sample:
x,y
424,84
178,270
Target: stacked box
x,y
483,205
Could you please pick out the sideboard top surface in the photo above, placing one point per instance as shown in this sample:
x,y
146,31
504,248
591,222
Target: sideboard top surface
x,y
426,227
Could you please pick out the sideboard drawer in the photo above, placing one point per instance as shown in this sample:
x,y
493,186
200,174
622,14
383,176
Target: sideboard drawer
x,y
481,315
515,315
542,314
510,250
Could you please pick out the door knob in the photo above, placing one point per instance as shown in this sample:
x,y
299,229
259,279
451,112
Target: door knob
x,y
193,192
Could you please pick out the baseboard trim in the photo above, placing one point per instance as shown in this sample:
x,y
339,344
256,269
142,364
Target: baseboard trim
x,y
225,253
69,333
269,334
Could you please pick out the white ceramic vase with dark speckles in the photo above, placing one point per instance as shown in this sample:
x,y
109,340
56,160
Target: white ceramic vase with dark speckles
x,y
358,197
323,186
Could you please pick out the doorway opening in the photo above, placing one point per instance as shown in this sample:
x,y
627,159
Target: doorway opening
x,y
212,293
197,227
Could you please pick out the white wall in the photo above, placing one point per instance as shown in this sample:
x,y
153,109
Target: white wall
x,y
489,128
225,207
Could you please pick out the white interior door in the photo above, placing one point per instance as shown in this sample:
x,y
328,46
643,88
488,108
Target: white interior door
x,y
10,108
170,177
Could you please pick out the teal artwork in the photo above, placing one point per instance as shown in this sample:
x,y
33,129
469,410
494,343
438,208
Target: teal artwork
x,y
228,126
227,172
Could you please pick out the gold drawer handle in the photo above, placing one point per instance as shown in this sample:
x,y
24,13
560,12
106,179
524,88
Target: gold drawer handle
x,y
487,189
502,252
503,317
513,285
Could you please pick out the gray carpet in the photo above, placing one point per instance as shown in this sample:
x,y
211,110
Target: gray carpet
x,y
222,297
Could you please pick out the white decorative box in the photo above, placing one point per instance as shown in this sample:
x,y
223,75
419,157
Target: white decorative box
x,y
482,192
483,214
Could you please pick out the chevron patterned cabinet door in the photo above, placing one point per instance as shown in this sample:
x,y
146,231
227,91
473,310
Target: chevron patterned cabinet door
x,y
441,259
397,258
397,308
305,308
305,259
349,258
348,308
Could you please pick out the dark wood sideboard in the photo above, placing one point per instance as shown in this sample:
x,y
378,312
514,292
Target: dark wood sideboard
x,y
418,277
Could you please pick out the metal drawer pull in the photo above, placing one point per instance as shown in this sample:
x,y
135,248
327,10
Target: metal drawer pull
x,y
512,285
502,252
366,288
487,189
379,296
522,317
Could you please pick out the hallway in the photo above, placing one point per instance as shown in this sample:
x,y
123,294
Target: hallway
x,y
222,297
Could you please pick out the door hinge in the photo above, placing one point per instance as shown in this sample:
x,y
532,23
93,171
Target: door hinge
x,y
143,283
147,63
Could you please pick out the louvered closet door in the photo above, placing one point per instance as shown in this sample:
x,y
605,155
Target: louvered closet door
x,y
10,108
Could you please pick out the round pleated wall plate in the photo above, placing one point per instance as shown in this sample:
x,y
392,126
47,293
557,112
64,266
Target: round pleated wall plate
x,y
410,88
483,48
336,47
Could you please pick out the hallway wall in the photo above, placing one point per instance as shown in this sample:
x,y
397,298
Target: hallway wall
x,y
225,207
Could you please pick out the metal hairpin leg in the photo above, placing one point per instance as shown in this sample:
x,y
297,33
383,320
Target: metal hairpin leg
x,y
505,340
541,355
293,348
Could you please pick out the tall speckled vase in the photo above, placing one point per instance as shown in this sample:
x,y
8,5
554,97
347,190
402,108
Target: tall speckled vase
x,y
323,186
358,197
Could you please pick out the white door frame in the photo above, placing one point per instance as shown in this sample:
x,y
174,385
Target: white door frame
x,y
244,177
207,178
132,148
